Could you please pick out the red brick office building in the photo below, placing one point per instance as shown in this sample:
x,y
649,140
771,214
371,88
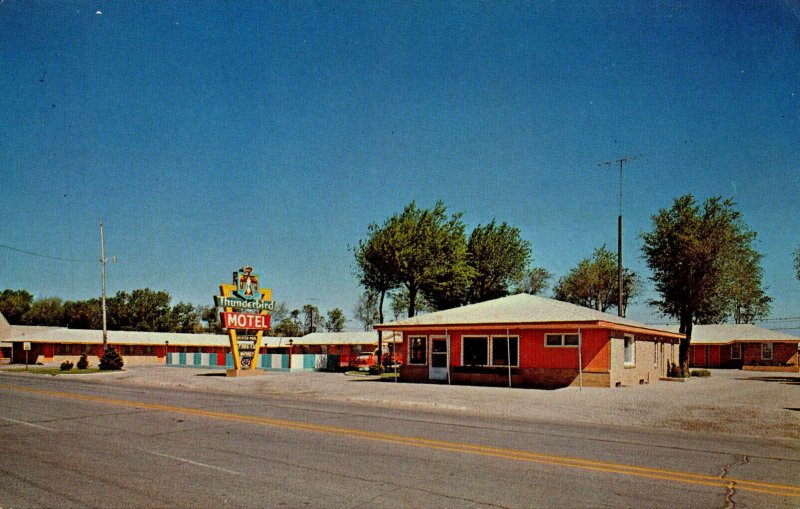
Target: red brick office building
x,y
740,346
530,341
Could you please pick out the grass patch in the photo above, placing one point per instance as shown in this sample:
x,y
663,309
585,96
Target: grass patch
x,y
389,374
55,371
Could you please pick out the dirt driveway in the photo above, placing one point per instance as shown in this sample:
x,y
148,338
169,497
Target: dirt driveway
x,y
730,401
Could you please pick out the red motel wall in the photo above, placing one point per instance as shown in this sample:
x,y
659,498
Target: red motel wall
x,y
596,351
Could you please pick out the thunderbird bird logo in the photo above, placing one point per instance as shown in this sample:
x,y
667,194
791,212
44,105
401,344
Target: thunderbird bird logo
x,y
246,283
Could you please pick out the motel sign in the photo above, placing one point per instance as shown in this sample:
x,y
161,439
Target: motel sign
x,y
246,309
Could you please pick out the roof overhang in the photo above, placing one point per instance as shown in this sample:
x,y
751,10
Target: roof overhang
x,y
531,326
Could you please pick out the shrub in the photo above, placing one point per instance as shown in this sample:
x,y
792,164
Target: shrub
x,y
83,362
111,360
676,371
66,366
376,369
701,372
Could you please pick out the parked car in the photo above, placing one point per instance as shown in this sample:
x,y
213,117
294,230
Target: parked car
x,y
364,361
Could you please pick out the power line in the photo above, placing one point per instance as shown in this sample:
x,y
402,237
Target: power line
x,y
59,258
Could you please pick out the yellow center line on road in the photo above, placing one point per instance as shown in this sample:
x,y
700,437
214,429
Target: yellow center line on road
x,y
482,450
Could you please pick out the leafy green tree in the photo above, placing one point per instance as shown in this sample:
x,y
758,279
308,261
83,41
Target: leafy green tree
x,y
533,282
377,269
594,283
279,313
398,303
377,266
335,321
746,301
83,314
366,310
498,257
289,326
185,317
14,304
210,315
141,310
423,250
694,252
430,256
48,311
312,319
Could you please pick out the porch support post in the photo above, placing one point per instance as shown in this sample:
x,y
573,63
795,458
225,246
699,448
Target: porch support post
x,y
508,355
580,358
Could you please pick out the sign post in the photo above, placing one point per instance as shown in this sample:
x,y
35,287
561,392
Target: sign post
x,y
27,347
246,315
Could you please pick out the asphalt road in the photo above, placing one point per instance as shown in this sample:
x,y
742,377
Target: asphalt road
x,y
66,443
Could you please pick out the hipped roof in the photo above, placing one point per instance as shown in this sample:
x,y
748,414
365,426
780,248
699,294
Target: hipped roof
x,y
727,333
526,311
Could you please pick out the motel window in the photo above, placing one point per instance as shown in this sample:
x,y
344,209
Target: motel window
x,y
502,347
766,351
561,340
475,351
417,350
736,351
630,351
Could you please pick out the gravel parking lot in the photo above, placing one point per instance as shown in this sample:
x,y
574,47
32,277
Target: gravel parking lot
x,y
730,401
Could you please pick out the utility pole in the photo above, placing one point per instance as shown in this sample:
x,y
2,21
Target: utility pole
x,y
103,261
621,161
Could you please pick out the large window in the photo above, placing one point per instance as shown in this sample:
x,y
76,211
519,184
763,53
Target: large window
x,y
490,351
555,340
417,350
476,351
504,347
630,351
736,351
766,351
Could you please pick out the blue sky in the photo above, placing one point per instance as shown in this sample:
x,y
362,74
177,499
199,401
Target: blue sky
x,y
212,135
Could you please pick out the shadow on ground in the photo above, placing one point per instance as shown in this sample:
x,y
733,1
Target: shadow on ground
x,y
788,380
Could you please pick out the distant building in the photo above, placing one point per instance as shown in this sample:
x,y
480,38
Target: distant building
x,y
530,341
57,344
742,346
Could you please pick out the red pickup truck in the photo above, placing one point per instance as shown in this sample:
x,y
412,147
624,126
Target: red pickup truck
x,y
364,361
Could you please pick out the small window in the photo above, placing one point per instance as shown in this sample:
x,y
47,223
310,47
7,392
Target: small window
x,y
766,351
570,340
504,347
417,350
553,339
736,351
475,351
630,351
